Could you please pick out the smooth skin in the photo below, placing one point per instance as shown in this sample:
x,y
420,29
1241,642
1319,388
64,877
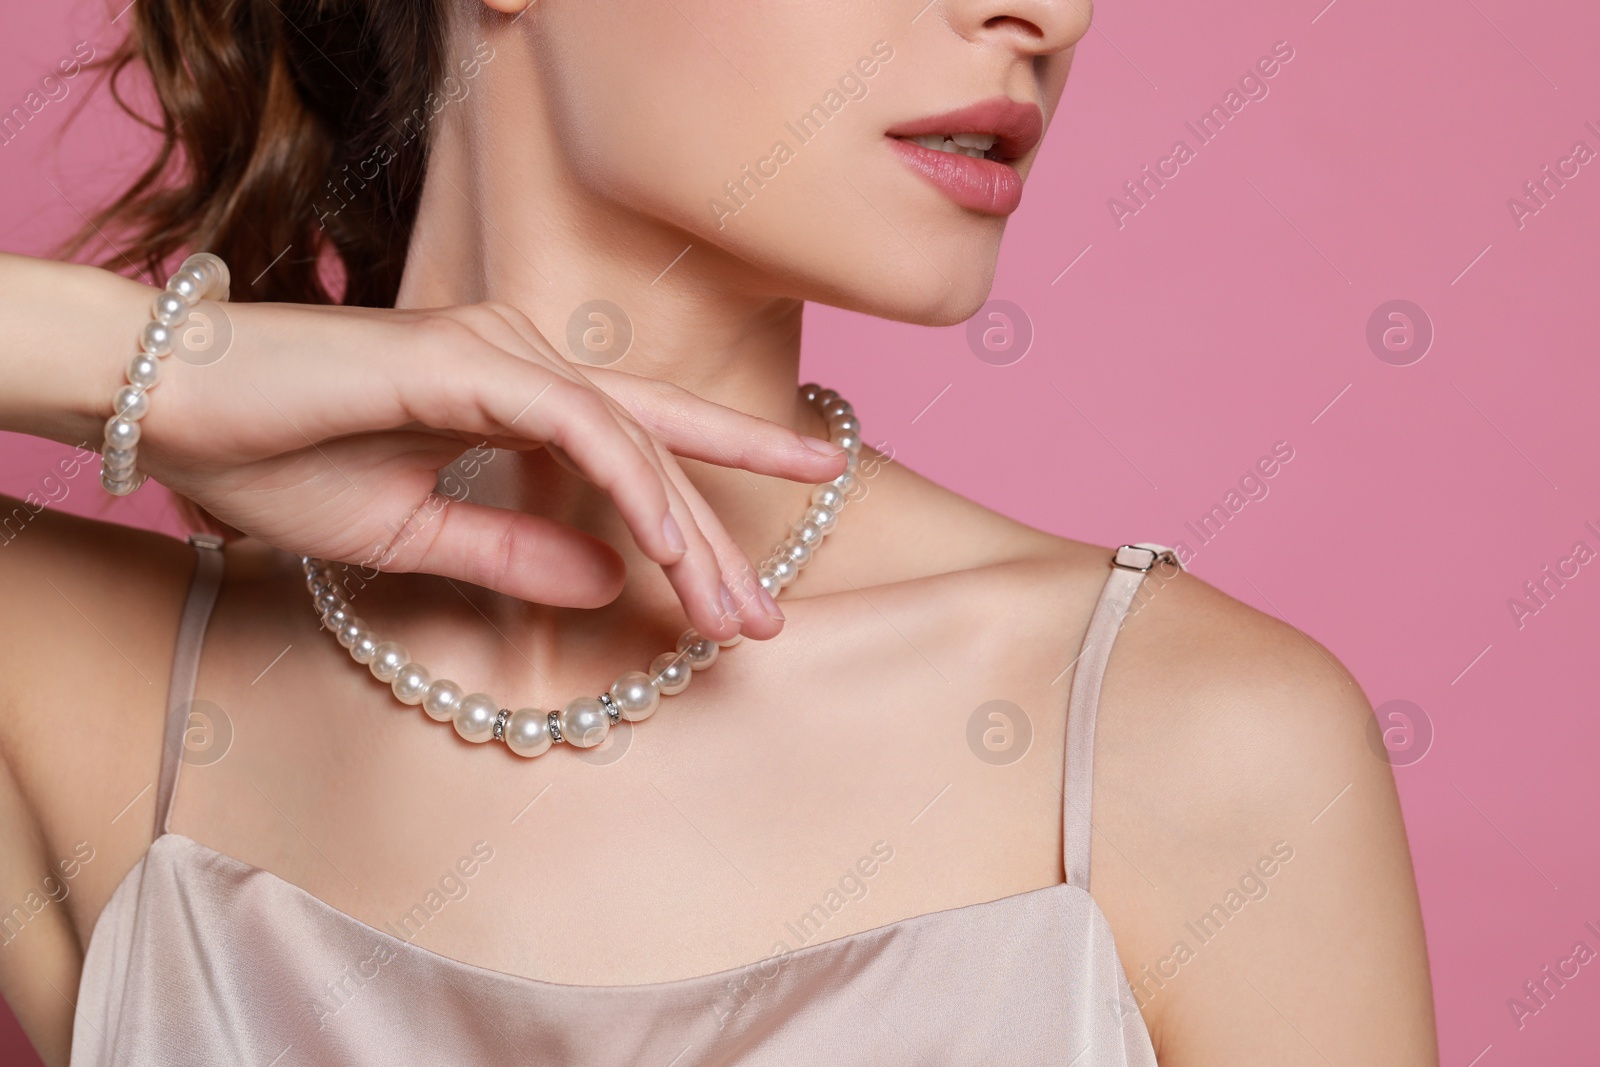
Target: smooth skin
x,y
582,163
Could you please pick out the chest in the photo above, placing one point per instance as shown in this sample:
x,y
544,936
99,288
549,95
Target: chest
x,y
845,776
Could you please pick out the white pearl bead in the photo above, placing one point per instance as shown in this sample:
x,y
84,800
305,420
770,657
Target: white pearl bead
x,y
797,551
120,487
825,397
351,631
144,370
635,695
210,268
770,583
187,285
584,722
850,442
844,424
169,309
387,659
810,391
121,433
836,408
332,620
807,533
784,571
671,673
527,732
828,496
822,518
475,716
846,483
411,684
364,649
120,460
156,339
442,699
702,651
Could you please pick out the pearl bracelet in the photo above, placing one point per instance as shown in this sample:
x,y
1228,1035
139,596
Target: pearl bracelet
x,y
203,276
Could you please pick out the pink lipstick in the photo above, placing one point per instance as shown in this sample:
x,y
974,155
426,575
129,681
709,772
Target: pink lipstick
x,y
974,166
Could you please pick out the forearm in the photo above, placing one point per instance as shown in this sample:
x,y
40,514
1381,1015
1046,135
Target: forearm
x,y
69,332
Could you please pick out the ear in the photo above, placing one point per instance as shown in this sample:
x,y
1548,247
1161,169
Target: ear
x,y
508,7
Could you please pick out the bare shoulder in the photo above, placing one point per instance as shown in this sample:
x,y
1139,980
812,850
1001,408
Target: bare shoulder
x,y
1248,846
1249,850
91,617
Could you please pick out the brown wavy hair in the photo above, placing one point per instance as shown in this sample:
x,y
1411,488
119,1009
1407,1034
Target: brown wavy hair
x,y
266,109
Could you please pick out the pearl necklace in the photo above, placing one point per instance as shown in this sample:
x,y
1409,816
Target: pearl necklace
x,y
635,695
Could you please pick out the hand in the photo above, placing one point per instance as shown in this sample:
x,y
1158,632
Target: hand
x,y
324,429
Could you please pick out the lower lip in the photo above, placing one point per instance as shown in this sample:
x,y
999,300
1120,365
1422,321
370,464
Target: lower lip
x,y
982,185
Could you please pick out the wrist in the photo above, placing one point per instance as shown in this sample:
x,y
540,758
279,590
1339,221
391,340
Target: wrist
x,y
72,330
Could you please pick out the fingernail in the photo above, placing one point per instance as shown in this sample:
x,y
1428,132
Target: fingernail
x,y
674,536
773,611
817,444
729,608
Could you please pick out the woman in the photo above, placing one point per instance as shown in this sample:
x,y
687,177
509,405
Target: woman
x,y
862,836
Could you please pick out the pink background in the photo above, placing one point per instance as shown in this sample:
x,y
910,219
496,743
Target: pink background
x,y
1228,314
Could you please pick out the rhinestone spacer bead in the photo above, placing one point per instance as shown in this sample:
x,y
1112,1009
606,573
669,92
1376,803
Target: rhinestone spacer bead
x,y
555,728
612,710
500,724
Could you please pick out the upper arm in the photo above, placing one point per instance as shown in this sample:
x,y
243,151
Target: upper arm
x,y
86,636
1249,847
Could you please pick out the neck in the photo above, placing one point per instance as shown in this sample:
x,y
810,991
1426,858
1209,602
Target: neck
x,y
504,218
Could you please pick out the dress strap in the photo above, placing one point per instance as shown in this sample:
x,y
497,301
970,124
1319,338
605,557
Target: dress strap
x,y
1129,565
202,598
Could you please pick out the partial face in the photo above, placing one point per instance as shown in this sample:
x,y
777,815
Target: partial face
x,y
861,153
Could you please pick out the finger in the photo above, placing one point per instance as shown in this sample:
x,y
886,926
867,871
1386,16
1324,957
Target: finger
x,y
696,428
688,424
525,556
759,615
699,577
501,395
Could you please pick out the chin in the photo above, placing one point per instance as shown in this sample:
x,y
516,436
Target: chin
x,y
952,309
924,297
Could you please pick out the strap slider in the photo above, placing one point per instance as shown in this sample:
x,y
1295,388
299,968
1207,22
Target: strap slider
x,y
205,540
1143,558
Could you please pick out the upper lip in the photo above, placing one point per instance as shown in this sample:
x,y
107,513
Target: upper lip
x,y
1018,126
